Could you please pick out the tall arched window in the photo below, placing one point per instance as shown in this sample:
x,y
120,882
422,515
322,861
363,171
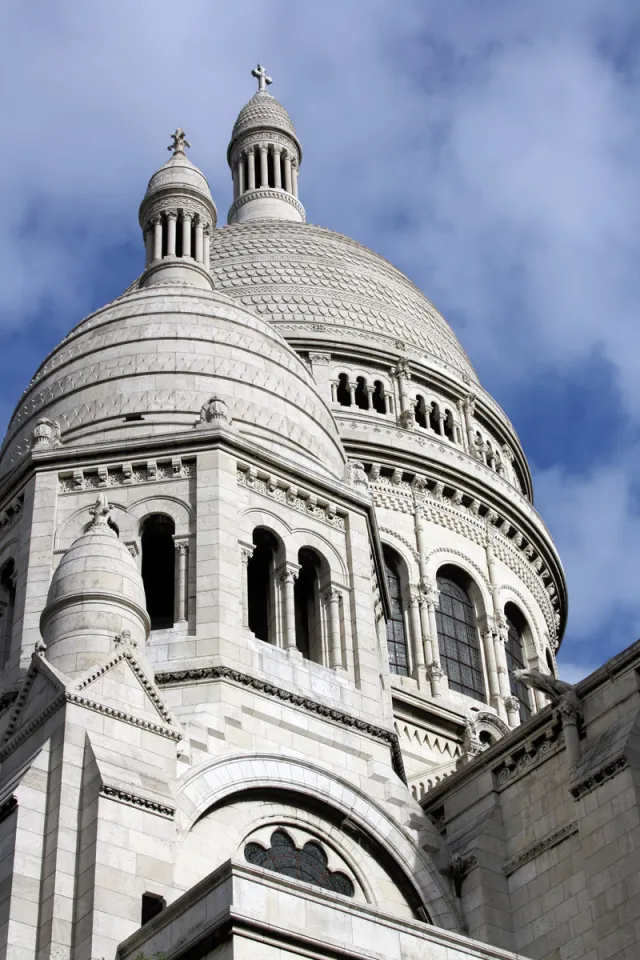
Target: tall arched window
x,y
396,632
344,394
159,569
306,593
516,660
420,412
362,399
434,417
458,634
449,426
379,403
260,585
7,608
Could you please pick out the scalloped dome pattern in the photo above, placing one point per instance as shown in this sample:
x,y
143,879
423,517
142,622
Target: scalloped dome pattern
x,y
262,110
178,172
298,274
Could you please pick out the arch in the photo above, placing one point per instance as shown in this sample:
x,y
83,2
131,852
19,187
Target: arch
x,y
378,398
7,608
458,635
515,651
361,396
220,778
397,624
181,513
508,593
344,393
420,412
313,574
157,533
449,425
261,595
433,414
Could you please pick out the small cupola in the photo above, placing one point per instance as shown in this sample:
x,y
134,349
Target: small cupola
x,y
177,216
264,156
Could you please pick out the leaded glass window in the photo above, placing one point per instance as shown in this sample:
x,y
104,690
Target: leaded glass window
x,y
396,635
308,863
458,637
514,649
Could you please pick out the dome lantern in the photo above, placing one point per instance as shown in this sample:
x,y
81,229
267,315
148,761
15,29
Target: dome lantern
x,y
177,216
264,156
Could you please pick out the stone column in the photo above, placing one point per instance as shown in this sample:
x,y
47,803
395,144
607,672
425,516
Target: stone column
x,y
206,248
186,234
388,402
334,391
402,374
172,218
499,632
352,393
277,173
417,644
148,244
182,580
434,671
332,598
440,418
294,177
264,165
468,408
157,238
287,578
492,673
503,677
236,185
287,172
199,238
246,552
251,165
370,391
241,186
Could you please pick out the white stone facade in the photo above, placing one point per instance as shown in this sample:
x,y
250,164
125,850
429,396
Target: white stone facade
x,y
268,565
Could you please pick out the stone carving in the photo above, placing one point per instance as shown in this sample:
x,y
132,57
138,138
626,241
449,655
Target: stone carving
x,y
260,74
215,411
100,512
546,843
356,476
179,142
46,433
559,692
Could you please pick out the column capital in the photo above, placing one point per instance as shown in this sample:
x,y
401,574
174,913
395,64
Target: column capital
x,y
401,369
512,705
181,544
172,215
288,572
470,402
434,671
246,550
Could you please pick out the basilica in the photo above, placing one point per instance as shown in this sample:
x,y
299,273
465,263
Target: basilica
x,y
279,621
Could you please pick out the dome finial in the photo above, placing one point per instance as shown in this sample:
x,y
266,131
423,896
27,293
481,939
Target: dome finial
x,y
179,141
100,511
261,76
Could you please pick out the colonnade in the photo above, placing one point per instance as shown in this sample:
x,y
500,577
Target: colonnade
x,y
251,169
162,237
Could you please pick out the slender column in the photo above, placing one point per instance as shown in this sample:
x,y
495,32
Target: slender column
x,y
503,676
148,243
199,238
469,406
287,579
277,171
334,391
352,393
251,164
294,177
370,397
186,234
335,634
441,423
206,249
246,552
182,567
402,374
434,671
499,631
236,177
264,165
171,233
492,672
417,645
157,238
287,172
241,187
388,402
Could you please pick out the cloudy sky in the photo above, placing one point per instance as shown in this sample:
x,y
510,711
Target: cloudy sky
x,y
490,149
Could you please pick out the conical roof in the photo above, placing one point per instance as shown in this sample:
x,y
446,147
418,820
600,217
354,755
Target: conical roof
x,y
261,111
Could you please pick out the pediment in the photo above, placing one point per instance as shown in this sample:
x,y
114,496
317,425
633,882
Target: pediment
x,y
42,687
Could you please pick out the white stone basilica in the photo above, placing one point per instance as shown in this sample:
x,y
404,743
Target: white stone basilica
x,y
269,567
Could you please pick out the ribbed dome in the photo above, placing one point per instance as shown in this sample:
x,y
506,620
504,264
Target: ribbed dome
x,y
307,278
147,364
262,111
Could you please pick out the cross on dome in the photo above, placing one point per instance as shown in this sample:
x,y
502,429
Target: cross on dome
x,y
179,142
261,76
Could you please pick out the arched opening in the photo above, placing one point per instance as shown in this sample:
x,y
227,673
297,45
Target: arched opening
x,y
7,609
458,639
362,399
379,404
396,628
260,585
306,594
486,739
271,177
158,569
449,427
434,417
516,659
549,660
344,394
420,411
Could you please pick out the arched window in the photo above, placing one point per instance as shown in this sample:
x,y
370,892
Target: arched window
x,y
362,398
260,585
158,569
7,609
516,660
458,634
396,632
420,410
434,417
449,426
344,394
379,403
306,592
309,863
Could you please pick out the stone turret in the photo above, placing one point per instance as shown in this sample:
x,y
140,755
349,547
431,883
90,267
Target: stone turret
x,y
264,155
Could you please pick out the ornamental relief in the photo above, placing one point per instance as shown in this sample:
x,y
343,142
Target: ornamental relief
x,y
177,202
286,493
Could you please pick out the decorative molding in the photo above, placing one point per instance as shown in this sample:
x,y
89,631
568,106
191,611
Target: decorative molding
x,y
301,500
594,780
528,755
169,732
125,474
147,686
134,800
11,513
170,678
545,843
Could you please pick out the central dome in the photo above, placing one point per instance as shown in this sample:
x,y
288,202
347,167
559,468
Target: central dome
x,y
307,279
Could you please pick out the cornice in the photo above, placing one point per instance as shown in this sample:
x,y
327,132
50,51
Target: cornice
x,y
299,498
545,843
266,193
594,780
199,674
135,800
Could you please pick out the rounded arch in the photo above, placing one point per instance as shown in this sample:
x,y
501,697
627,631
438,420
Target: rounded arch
x,y
9,550
259,517
442,556
180,512
303,538
516,654
459,615
200,790
509,594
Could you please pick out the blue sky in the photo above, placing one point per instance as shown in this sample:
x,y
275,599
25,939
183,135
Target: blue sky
x,y
491,150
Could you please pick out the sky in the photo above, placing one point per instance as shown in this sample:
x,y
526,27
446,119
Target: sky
x,y
491,150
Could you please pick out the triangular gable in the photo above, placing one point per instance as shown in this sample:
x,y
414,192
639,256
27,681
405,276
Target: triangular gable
x,y
42,688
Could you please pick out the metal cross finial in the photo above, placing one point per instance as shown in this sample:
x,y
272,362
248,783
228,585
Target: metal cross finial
x,y
261,76
179,142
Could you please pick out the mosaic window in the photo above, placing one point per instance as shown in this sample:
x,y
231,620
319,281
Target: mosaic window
x,y
309,863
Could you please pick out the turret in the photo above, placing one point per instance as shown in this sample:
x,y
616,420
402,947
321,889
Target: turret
x,y
264,156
